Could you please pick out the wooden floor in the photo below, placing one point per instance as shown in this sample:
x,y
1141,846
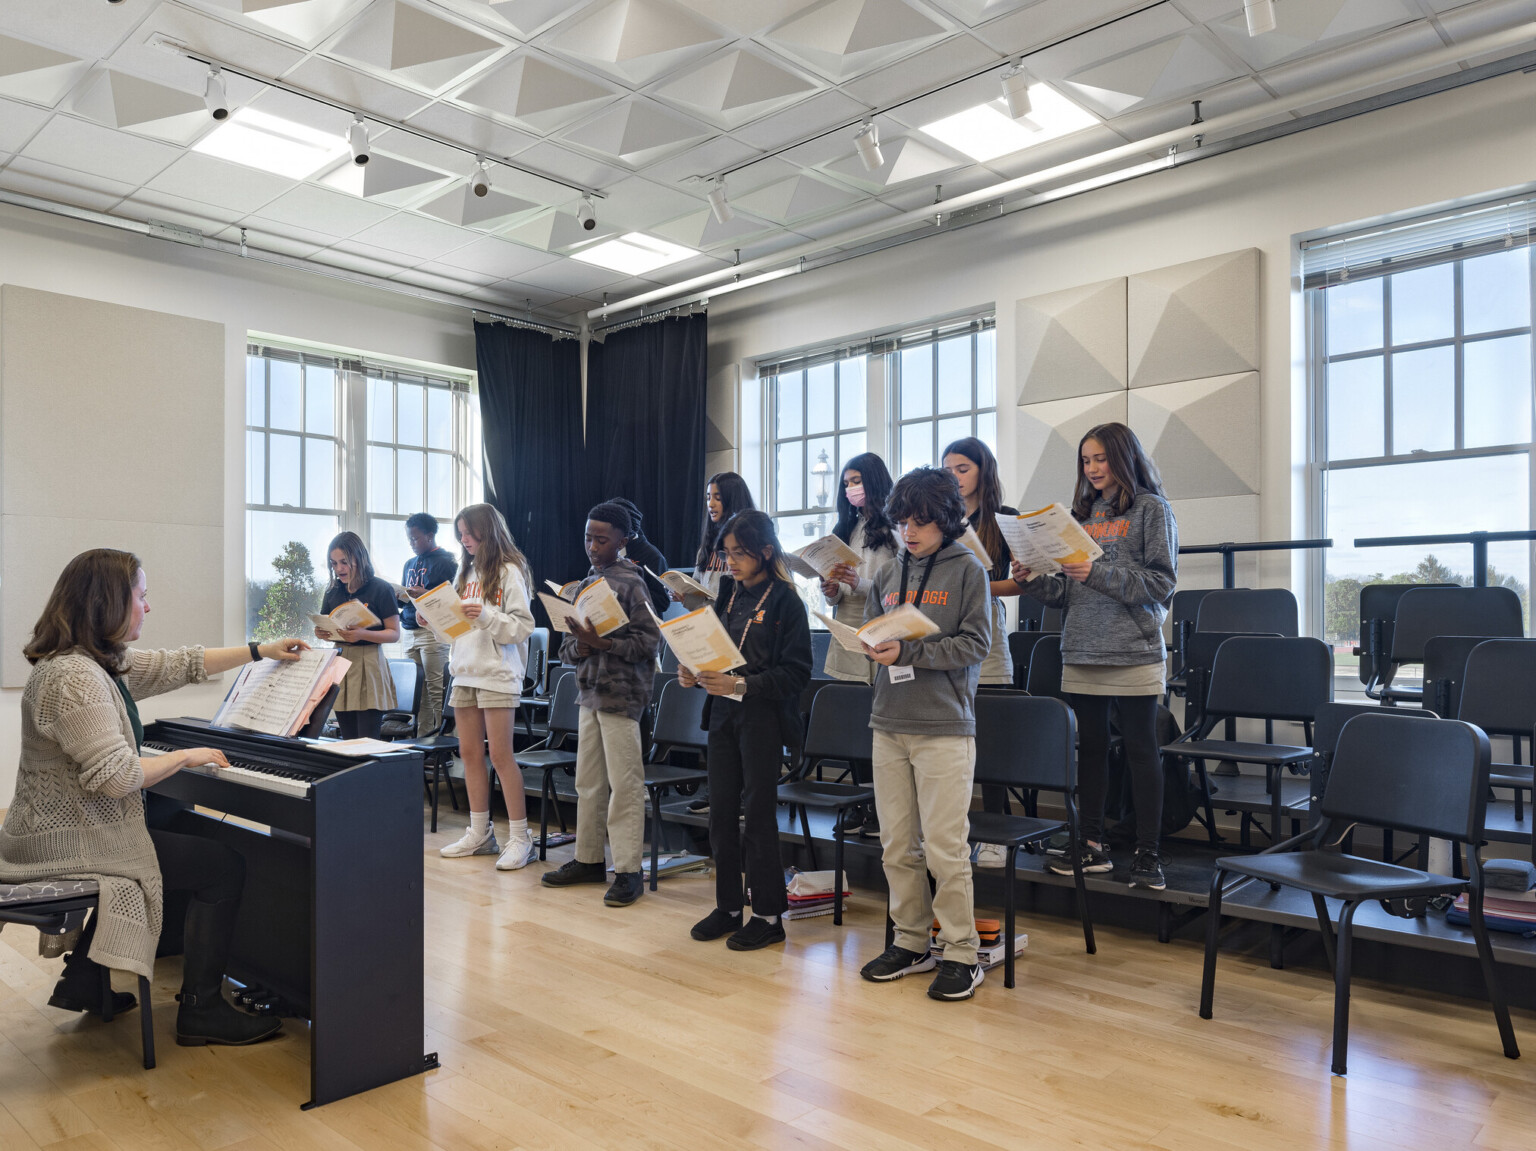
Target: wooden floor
x,y
565,1024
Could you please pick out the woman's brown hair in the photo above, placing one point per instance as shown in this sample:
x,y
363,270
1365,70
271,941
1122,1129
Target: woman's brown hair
x,y
1129,466
496,549
88,609
989,493
357,556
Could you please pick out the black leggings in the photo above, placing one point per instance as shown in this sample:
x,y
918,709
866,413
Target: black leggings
x,y
1137,720
743,765
360,724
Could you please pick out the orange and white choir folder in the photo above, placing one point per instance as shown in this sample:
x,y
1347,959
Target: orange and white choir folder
x,y
596,607
1044,540
682,583
973,541
816,560
443,611
700,641
352,614
905,623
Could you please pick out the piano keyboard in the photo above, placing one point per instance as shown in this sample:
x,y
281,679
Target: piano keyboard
x,y
283,780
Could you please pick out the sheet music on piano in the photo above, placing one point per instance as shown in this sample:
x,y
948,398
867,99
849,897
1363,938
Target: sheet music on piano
x,y
275,696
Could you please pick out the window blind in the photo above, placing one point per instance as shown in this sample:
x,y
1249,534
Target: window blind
x,y
875,345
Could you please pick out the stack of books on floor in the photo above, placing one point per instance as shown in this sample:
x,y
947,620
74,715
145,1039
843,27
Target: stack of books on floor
x,y
1509,898
990,950
810,893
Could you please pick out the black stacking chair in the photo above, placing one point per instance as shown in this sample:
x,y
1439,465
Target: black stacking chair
x,y
1445,669
668,662
59,906
1425,612
564,718
1044,676
1499,696
437,752
1378,613
1182,613
1035,616
678,727
400,722
1267,610
531,702
1330,721
1021,645
819,642
1259,677
839,730
1027,743
1199,657
1423,777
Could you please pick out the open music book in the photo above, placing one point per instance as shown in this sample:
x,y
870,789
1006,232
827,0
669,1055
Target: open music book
x,y
278,697
566,591
352,614
682,583
1044,540
700,641
443,611
905,623
973,541
817,559
597,607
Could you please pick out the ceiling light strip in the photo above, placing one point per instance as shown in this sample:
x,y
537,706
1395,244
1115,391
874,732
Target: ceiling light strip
x,y
1519,35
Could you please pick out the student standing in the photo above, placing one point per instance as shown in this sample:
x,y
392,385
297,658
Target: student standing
x,y
428,566
487,665
863,525
368,690
924,744
751,715
1112,637
641,551
725,494
615,675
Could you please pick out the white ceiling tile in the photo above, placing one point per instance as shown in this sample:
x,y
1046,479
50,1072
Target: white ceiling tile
x,y
461,207
1309,27
497,258
37,73
799,197
974,12
90,147
709,157
420,278
62,184
307,21
747,17
477,132
869,212
565,164
457,274
90,28
530,90
636,131
356,90
325,212
256,51
1184,63
1049,21
636,41
841,38
570,277
18,122
419,236
415,46
1398,44
1100,44
386,180
148,205
906,159
516,293
1490,16
557,231
957,56
1058,151
735,86
117,99
1218,101
269,241
417,150
702,231
821,112
953,183
212,181
298,110
353,262
636,204
525,18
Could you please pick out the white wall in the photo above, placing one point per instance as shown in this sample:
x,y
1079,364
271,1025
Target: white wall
x,y
1460,144
77,259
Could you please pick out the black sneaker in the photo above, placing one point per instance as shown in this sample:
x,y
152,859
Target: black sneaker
x,y
852,820
956,980
1095,862
716,924
894,962
699,806
756,933
1147,871
627,887
871,828
572,872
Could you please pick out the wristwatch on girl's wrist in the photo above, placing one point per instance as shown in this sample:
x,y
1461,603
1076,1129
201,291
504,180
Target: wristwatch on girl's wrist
x,y
739,688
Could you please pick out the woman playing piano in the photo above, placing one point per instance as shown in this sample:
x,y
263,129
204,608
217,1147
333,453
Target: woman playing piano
x,y
78,811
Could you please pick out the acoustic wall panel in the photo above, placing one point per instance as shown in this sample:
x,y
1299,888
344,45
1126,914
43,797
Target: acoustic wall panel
x,y
1072,342
111,435
1204,434
1219,520
1195,320
1047,436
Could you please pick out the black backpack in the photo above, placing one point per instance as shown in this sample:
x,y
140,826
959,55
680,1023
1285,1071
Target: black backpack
x,y
1181,791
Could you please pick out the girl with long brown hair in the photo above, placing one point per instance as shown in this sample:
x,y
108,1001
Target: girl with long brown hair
x,y
486,664
1112,637
368,690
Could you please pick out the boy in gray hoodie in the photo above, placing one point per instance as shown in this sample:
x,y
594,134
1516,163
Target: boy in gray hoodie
x,y
924,745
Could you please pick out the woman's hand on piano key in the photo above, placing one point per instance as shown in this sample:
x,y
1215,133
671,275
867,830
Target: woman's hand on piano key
x,y
203,757
158,767
286,650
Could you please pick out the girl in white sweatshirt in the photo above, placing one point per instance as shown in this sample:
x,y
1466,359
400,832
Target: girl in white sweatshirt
x,y
487,664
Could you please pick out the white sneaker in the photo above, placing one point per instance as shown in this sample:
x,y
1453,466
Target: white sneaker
x,y
472,844
521,851
991,855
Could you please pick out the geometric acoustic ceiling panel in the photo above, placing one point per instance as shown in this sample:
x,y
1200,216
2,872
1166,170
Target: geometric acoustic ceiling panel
x,y
37,74
1194,320
842,36
1072,342
462,207
414,45
538,94
303,20
1300,27
639,40
382,177
1046,438
794,199
122,101
735,87
555,231
1204,434
700,230
904,159
1152,73
636,132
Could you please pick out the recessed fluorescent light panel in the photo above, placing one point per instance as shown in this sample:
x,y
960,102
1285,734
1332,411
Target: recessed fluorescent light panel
x,y
634,253
272,144
986,131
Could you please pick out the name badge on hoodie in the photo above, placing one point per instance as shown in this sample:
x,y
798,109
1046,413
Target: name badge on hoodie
x,y
901,674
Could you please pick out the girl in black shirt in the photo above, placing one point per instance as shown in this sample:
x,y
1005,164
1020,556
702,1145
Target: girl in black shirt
x,y
752,715
368,690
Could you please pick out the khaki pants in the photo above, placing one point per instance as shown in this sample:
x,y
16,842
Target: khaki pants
x,y
610,789
923,789
430,655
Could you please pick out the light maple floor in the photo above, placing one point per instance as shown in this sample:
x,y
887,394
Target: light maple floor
x,y
565,1024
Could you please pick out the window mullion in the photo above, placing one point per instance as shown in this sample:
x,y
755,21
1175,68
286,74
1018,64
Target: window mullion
x,y
1386,364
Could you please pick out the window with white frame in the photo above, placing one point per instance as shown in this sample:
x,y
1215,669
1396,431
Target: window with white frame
x,y
335,445
945,386
1421,369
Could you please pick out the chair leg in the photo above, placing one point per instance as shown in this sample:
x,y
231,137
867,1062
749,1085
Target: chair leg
x,y
1387,847
1275,834
655,832
1341,988
146,1025
805,830
1009,882
1212,940
1082,899
546,788
437,775
1490,976
1205,801
105,976
837,871
1325,928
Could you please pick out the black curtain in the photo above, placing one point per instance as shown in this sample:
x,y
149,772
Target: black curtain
x,y
530,407
645,427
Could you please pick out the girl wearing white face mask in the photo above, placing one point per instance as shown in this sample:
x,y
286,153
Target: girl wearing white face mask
x,y
863,525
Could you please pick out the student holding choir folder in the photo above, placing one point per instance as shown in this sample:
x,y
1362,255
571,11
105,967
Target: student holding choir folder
x,y
725,494
863,525
368,690
1112,636
752,715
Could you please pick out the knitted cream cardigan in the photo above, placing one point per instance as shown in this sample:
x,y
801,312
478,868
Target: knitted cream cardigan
x,y
78,812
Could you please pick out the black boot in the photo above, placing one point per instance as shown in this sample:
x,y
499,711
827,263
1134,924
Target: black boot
x,y
80,988
205,1015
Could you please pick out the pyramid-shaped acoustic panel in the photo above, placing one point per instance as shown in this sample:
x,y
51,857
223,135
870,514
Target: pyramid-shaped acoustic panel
x,y
636,131
119,100
525,17
1195,320
638,40
307,21
384,179
1220,519
1046,438
905,159
701,231
534,92
795,198
414,45
1155,72
462,207
1071,343
1204,434
36,74
844,36
736,87
556,232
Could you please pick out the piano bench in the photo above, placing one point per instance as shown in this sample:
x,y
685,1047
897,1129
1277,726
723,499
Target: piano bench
x,y
59,906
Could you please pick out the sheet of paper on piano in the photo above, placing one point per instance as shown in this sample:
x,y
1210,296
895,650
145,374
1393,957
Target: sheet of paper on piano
x,y
270,695
358,747
334,673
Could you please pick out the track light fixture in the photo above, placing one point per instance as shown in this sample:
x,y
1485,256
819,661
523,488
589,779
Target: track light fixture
x,y
1260,15
717,203
587,214
480,182
357,137
867,143
214,97
1016,91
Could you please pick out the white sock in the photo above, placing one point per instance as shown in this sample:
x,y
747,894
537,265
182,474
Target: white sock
x,y
517,829
480,822
769,918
